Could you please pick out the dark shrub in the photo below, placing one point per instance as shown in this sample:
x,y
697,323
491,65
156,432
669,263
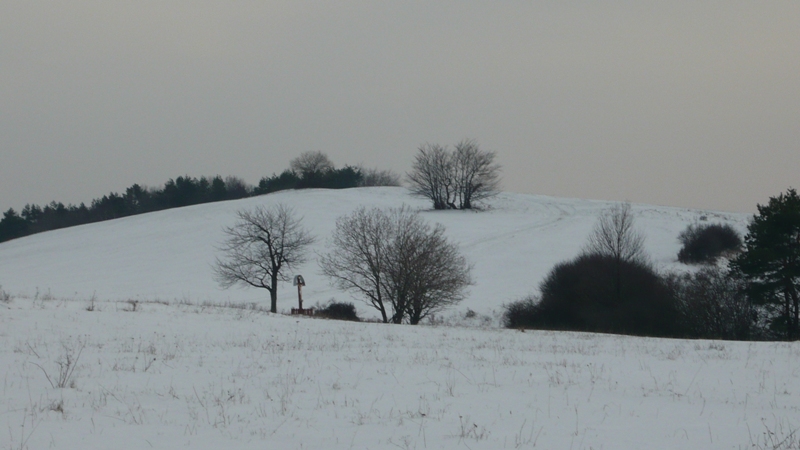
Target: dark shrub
x,y
339,311
521,313
602,294
704,244
286,180
12,226
377,177
346,177
713,304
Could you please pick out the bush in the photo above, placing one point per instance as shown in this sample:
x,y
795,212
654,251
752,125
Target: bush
x,y
377,177
339,311
713,304
397,263
704,244
521,313
599,293
454,179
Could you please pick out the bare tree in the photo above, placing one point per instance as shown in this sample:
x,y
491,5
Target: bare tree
x,y
356,262
426,272
236,187
430,175
311,163
614,235
260,248
475,175
395,260
457,179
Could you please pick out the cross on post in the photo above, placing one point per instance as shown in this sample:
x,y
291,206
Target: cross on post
x,y
299,282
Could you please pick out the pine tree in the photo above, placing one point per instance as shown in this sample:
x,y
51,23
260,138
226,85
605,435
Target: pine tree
x,y
770,262
12,226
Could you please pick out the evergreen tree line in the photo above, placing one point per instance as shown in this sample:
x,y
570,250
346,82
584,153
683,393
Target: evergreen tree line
x,y
178,192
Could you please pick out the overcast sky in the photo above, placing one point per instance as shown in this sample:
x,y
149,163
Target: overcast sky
x,y
682,103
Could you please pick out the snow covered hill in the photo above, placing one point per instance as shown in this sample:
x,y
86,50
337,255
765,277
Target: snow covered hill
x,y
173,372
168,255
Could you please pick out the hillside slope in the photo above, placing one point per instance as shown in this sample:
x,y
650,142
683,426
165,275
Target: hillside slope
x,y
168,255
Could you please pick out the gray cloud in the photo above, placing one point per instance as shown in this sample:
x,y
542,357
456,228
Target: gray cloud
x,y
682,103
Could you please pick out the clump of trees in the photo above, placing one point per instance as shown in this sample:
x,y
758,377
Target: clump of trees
x,y
182,191
346,177
713,304
309,170
610,287
706,243
399,264
403,267
456,179
315,170
596,293
262,248
310,164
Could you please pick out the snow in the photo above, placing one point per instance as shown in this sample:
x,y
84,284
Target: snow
x,y
163,358
168,255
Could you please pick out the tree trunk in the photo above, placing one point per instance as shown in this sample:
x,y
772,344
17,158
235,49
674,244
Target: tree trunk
x,y
397,318
618,281
273,300
795,317
787,311
378,303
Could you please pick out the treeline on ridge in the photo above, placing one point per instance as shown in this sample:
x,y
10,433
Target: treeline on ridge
x,y
309,170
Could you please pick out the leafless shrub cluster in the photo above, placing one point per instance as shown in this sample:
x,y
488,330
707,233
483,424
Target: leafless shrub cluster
x,y
66,363
312,162
399,264
457,179
713,304
378,177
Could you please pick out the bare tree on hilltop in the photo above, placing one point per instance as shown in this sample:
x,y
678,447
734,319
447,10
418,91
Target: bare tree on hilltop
x,y
457,179
311,163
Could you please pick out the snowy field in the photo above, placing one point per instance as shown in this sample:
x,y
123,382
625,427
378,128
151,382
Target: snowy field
x,y
168,255
117,337
188,376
